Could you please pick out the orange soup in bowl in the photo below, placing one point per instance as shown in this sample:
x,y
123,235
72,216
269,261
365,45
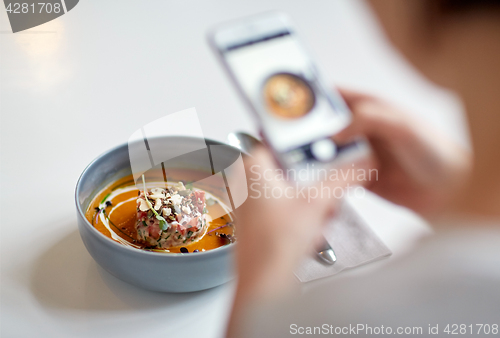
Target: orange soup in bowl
x,y
171,217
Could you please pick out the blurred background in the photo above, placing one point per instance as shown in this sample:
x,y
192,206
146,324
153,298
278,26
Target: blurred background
x,y
84,82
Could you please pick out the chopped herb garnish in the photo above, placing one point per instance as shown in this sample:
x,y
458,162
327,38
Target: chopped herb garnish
x,y
163,223
105,197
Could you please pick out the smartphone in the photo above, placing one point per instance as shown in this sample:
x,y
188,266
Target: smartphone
x,y
277,78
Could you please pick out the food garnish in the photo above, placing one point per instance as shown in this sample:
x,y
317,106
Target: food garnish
x,y
128,216
178,215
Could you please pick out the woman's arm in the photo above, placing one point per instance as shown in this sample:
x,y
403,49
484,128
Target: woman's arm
x,y
417,168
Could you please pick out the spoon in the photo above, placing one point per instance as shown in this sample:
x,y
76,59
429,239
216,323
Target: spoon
x,y
245,142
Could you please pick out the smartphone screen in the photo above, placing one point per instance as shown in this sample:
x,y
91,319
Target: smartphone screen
x,y
277,77
280,81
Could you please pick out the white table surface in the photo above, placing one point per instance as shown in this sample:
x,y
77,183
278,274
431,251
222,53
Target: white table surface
x,y
81,84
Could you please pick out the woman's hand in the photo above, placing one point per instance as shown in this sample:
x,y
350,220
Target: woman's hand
x,y
278,224
418,167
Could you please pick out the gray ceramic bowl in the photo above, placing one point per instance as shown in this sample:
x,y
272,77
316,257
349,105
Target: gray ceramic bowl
x,y
152,270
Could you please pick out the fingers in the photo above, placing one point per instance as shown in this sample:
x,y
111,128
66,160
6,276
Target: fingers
x,y
264,177
262,166
364,120
351,97
373,118
356,101
264,158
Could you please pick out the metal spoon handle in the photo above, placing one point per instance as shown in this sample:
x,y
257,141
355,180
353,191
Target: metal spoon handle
x,y
326,253
243,141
